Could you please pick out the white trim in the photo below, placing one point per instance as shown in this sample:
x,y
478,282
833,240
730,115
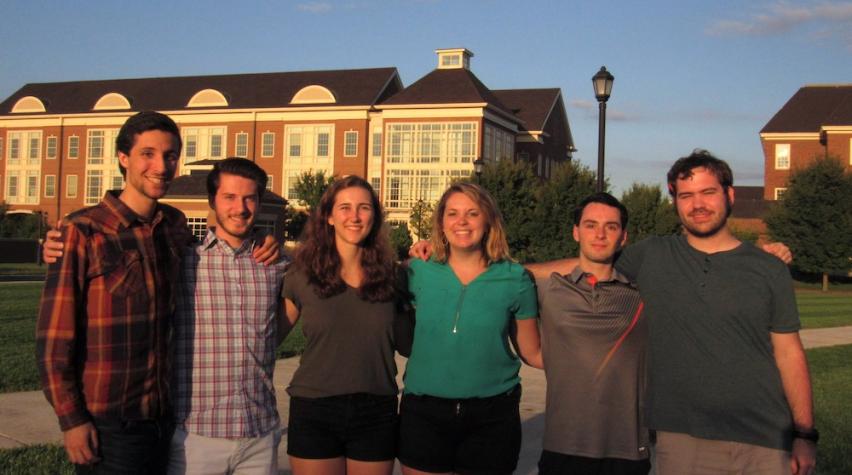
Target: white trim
x,y
782,190
68,187
790,136
346,144
54,186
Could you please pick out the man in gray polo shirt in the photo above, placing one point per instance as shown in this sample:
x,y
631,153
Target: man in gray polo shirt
x,y
594,340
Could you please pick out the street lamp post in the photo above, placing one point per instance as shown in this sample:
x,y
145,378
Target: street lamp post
x,y
602,81
477,167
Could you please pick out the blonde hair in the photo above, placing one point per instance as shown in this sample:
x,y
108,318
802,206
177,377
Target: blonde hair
x,y
494,244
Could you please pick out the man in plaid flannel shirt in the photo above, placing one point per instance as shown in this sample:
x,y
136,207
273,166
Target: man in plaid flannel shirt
x,y
228,323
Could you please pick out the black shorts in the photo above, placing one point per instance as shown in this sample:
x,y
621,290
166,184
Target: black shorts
x,y
356,426
469,436
555,463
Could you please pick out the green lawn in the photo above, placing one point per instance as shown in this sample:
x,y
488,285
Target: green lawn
x,y
18,269
824,309
42,459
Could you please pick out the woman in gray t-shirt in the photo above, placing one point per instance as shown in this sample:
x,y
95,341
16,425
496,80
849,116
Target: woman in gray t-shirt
x,y
346,289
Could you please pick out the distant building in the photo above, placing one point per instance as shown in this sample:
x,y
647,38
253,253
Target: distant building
x,y
816,121
57,140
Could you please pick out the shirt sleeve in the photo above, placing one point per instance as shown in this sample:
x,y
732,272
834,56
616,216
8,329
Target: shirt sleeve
x,y
527,298
291,287
785,313
61,313
629,261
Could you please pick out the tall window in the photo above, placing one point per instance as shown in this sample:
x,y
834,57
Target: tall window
x,y
1,148
350,143
295,142
779,193
51,148
241,149
117,182
269,182
94,186
14,147
268,148
322,144
431,143
377,142
70,186
96,147
200,143
32,187
35,148
73,146
198,227
12,189
782,156
50,186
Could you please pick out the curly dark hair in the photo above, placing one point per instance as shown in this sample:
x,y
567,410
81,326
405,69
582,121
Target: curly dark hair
x,y
319,259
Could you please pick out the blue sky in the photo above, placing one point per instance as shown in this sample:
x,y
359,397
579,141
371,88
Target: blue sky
x,y
688,74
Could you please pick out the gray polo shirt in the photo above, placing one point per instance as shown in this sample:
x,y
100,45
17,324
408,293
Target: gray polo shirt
x,y
594,340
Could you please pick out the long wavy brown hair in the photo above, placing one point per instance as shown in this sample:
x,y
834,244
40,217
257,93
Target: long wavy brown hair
x,y
319,259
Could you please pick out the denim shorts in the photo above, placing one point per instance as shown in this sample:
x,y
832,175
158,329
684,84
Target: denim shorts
x,y
356,426
468,436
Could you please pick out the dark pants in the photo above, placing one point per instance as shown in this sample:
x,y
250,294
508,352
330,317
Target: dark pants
x,y
131,447
553,463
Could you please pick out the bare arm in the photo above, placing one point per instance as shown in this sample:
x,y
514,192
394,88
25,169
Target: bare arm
x,y
527,342
779,250
795,377
267,250
542,270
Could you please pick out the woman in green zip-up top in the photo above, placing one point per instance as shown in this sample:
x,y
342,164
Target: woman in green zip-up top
x,y
459,411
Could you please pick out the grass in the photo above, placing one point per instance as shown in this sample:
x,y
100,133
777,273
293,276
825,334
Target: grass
x,y
832,384
22,269
46,459
824,309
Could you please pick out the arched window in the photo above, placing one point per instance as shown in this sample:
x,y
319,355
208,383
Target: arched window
x,y
28,104
112,101
313,94
208,98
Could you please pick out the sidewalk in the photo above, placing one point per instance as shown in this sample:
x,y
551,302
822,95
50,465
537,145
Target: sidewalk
x,y
26,418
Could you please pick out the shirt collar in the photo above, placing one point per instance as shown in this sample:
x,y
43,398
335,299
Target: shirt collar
x,y
578,274
126,216
211,241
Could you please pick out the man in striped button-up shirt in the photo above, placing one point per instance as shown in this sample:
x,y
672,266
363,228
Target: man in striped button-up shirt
x,y
227,325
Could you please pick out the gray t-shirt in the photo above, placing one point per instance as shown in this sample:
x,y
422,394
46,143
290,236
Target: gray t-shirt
x,y
350,342
594,341
712,373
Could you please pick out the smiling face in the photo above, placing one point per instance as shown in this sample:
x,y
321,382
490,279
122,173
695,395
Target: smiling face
x,y
150,165
463,223
599,233
702,203
352,215
235,204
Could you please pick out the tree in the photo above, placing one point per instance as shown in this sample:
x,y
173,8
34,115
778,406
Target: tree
x,y
814,218
513,186
556,199
294,223
310,187
650,212
400,239
421,219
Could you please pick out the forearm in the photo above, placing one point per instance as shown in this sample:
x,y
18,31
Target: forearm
x,y
795,378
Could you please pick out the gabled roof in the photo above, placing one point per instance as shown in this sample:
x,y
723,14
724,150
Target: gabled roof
x,y
351,87
813,107
195,186
447,86
532,106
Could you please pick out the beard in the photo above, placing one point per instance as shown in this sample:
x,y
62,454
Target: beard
x,y
709,229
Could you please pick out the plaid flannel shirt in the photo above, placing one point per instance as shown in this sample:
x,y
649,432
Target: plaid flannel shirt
x,y
225,339
105,319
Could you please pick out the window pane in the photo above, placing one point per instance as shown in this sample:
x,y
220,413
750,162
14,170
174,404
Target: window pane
x,y
51,147
350,145
50,186
242,145
322,144
215,146
295,144
73,147
71,186
268,144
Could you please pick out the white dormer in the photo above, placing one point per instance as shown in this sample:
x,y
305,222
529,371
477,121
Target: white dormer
x,y
454,58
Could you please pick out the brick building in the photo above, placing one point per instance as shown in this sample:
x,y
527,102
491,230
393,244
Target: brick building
x,y
816,121
57,140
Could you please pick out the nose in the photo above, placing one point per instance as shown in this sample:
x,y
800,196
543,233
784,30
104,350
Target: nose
x,y
160,164
600,232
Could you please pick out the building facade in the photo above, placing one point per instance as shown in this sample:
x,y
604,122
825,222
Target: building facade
x,y
815,122
57,140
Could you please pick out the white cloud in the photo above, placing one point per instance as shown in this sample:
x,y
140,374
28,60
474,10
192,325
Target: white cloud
x,y
590,111
822,20
314,7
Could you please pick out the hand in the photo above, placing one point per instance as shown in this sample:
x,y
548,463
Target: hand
x,y
420,250
779,250
803,458
81,444
52,247
267,250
